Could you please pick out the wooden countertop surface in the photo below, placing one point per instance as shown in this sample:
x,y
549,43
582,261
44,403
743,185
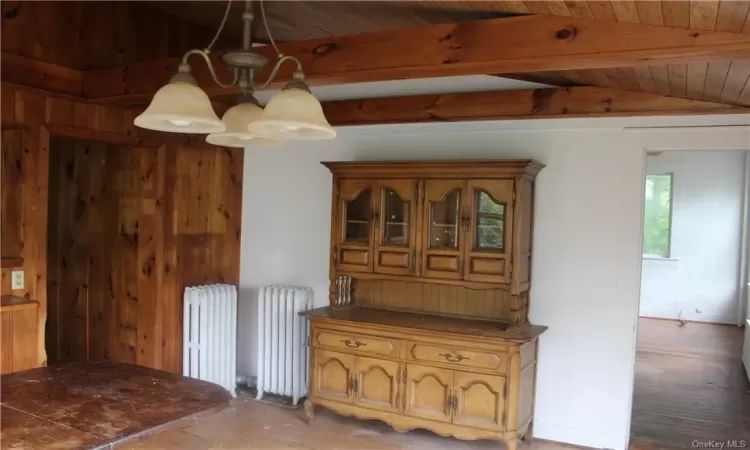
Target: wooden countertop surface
x,y
98,405
428,322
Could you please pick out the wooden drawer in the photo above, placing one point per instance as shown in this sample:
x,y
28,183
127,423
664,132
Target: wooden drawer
x,y
457,357
371,345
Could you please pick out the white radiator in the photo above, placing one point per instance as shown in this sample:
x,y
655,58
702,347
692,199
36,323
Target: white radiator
x,y
282,335
210,335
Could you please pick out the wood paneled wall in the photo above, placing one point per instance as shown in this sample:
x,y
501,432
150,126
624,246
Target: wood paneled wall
x,y
133,219
91,34
10,205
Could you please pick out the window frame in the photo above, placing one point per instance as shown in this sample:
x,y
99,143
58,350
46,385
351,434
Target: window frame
x,y
668,255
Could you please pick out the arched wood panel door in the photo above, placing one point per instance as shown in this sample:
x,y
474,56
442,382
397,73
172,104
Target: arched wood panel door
x,y
355,213
395,226
489,231
442,229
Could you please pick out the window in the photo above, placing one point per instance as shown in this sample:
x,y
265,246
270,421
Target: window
x,y
657,218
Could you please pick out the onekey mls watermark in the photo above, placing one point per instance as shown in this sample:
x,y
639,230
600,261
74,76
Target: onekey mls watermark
x,y
726,444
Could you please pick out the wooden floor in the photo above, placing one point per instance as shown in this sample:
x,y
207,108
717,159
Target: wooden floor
x,y
247,424
689,385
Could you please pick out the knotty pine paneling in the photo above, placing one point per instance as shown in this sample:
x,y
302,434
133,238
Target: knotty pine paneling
x,y
92,34
10,185
118,260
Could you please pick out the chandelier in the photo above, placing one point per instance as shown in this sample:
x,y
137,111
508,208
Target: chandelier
x,y
181,106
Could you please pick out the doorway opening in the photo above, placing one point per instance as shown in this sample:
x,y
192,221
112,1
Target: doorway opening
x,y
691,387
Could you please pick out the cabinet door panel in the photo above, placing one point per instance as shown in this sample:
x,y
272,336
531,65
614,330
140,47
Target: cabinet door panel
x,y
490,231
481,400
333,373
443,213
377,384
427,392
395,226
354,225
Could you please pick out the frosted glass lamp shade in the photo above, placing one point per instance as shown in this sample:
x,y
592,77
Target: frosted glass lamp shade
x,y
294,114
180,107
237,119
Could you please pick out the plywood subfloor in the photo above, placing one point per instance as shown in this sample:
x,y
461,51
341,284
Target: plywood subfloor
x,y
690,386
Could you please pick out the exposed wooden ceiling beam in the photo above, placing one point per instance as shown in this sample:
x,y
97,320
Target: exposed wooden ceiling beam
x,y
518,44
40,74
574,102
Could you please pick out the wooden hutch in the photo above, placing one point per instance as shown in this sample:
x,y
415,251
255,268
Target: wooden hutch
x,y
433,330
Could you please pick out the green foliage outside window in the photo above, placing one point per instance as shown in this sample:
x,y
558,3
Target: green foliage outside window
x,y
657,220
491,220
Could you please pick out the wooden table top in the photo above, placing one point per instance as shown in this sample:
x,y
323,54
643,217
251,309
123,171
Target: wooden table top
x,y
429,322
98,405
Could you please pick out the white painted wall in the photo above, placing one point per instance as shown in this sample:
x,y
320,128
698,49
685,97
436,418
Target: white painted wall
x,y
700,280
587,243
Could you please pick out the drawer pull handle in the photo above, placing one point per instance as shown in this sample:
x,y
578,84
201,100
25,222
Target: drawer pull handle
x,y
452,358
355,344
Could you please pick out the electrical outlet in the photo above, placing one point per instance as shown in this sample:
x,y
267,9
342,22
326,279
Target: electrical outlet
x,y
17,279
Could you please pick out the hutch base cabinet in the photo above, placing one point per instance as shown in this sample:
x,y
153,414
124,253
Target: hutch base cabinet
x,y
427,325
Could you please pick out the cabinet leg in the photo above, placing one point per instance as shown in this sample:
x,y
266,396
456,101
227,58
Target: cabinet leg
x,y
511,444
529,433
309,411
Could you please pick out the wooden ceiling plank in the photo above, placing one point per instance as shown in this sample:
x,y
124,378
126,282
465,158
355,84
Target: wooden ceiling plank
x,y
650,12
715,78
660,75
746,28
533,43
696,79
738,75
512,105
676,14
537,7
703,14
678,79
595,77
558,8
514,6
625,11
579,8
744,97
602,10
646,83
731,16
624,78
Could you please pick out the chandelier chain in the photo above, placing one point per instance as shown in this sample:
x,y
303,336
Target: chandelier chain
x,y
221,27
268,30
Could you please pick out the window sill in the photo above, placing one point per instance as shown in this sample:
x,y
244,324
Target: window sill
x,y
659,258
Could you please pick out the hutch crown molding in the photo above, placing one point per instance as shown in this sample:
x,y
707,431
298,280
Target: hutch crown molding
x,y
428,319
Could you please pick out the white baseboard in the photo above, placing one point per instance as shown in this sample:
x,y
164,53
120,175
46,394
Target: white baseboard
x,y
746,349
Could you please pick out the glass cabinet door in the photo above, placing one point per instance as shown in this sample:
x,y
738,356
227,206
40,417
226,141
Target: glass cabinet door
x,y
444,221
489,227
357,213
443,213
395,217
353,250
